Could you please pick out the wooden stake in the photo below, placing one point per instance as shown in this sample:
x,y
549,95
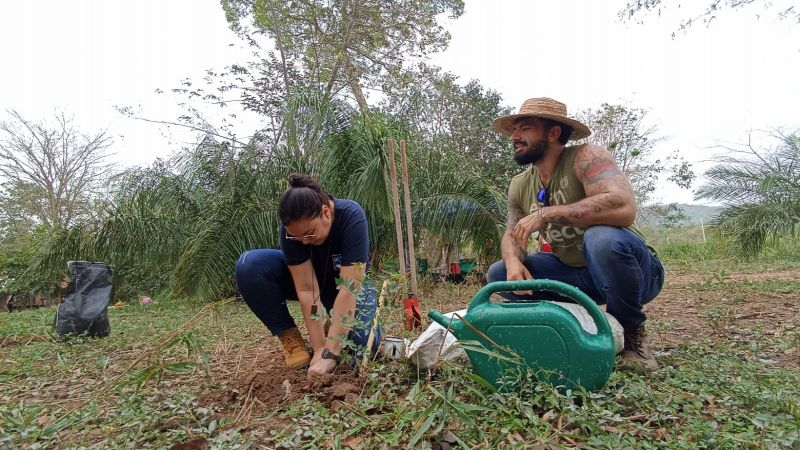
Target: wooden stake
x,y
412,256
398,227
371,338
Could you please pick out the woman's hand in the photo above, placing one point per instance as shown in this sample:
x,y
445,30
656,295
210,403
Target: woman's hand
x,y
320,366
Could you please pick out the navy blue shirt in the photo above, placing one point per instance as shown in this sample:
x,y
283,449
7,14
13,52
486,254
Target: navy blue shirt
x,y
347,244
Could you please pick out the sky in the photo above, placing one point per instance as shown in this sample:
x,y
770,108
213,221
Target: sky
x,y
707,87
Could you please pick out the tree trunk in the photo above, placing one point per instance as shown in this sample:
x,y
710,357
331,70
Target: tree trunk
x,y
352,80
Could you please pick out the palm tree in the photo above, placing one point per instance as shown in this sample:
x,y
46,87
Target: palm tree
x,y
191,216
354,164
451,200
761,194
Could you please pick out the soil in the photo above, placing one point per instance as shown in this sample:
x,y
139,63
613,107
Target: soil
x,y
258,378
686,313
195,444
10,341
689,278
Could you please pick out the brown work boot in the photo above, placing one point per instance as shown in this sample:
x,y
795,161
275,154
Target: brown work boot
x,y
636,355
294,348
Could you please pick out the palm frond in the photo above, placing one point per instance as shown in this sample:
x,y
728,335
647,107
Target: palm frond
x,y
761,194
454,202
749,226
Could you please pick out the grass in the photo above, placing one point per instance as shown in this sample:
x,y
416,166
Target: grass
x,y
686,252
736,387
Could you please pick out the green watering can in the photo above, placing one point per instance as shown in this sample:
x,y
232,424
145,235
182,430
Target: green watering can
x,y
537,335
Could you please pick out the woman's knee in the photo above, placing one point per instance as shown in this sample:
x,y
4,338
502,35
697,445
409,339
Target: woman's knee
x,y
260,262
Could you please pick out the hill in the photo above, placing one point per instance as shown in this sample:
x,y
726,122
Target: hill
x,y
694,214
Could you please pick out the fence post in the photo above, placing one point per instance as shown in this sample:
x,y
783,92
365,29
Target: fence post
x,y
703,229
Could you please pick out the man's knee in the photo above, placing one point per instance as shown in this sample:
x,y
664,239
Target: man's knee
x,y
496,272
601,241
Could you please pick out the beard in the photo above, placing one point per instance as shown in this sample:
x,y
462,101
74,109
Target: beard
x,y
533,154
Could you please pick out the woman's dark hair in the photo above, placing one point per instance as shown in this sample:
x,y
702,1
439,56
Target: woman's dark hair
x,y
302,200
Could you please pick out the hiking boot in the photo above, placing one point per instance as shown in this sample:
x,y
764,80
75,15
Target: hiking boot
x,y
294,348
636,354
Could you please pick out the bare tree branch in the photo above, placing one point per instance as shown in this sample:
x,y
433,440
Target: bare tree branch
x,y
56,166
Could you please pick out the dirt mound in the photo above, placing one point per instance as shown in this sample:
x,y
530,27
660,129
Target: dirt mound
x,y
259,375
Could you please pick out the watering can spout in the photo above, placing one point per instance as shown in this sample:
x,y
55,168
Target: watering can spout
x,y
455,325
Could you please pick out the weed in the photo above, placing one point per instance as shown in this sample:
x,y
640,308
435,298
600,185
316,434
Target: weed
x,y
719,319
720,276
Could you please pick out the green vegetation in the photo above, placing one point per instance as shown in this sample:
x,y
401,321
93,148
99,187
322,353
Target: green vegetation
x,y
761,193
189,218
727,338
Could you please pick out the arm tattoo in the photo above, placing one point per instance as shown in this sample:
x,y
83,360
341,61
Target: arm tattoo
x,y
586,207
515,214
607,189
598,170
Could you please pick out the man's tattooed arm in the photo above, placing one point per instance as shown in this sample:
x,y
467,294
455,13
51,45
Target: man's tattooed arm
x,y
511,248
609,195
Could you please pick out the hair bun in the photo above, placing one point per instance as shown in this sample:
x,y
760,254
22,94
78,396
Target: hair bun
x,y
297,203
298,180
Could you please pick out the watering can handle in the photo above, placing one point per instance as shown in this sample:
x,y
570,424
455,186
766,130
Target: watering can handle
x,y
484,296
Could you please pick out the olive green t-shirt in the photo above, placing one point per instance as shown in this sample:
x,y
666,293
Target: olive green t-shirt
x,y
564,188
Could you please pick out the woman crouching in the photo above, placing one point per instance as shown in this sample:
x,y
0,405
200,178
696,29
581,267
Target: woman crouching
x,y
322,239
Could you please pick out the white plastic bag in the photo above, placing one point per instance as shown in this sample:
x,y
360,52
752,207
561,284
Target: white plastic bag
x,y
424,352
587,323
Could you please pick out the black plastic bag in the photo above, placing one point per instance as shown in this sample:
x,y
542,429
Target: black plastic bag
x,y
84,308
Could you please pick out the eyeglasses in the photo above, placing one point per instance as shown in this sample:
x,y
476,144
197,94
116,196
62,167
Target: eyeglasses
x,y
305,237
300,238
543,197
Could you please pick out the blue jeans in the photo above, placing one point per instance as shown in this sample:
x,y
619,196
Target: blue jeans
x,y
265,283
620,272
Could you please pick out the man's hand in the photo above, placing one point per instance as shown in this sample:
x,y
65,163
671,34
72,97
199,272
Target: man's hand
x,y
518,272
526,226
320,366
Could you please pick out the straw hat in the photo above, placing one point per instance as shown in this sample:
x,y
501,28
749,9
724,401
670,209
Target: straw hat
x,y
545,108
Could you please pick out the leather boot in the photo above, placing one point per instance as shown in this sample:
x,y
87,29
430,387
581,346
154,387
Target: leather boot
x,y
636,354
294,348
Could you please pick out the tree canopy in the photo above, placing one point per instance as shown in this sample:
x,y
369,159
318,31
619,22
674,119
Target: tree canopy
x,y
785,10
50,173
345,44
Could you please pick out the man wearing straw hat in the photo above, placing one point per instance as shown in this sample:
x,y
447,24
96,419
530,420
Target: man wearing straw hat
x,y
580,202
